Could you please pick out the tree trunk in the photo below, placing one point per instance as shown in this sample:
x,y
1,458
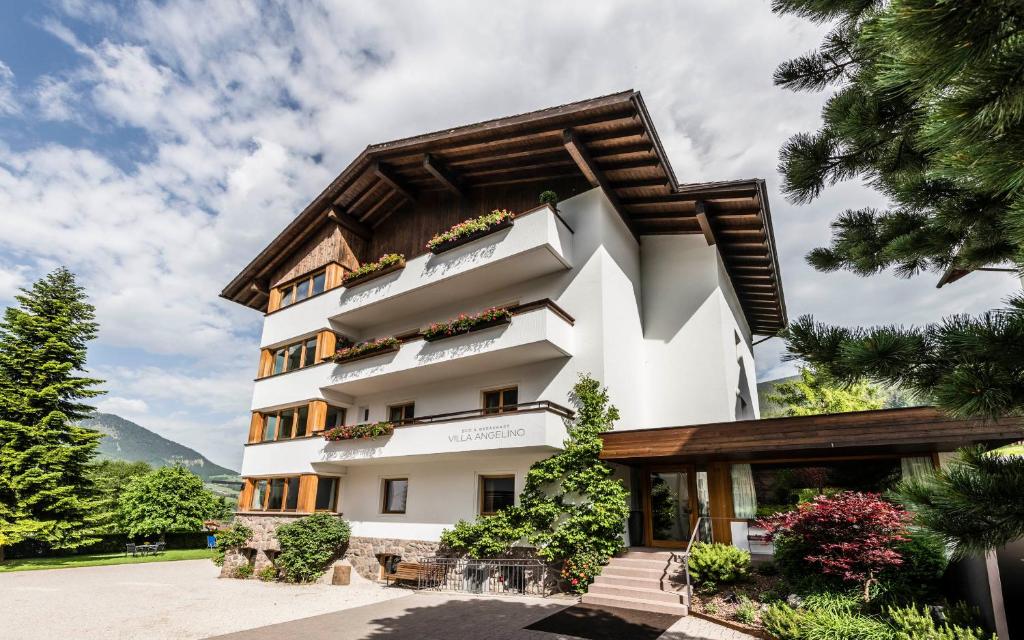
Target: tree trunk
x,y
1,553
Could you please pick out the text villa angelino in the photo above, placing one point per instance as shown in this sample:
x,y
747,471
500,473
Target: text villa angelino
x,y
490,432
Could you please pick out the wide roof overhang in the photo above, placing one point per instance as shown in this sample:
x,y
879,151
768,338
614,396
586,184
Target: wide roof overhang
x,y
609,141
883,431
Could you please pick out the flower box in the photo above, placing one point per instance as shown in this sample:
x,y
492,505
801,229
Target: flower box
x,y
464,324
368,431
469,230
388,263
367,350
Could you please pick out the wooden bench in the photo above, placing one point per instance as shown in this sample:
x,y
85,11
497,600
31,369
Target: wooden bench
x,y
415,572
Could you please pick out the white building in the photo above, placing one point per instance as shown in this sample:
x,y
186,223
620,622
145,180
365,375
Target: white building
x,y
655,288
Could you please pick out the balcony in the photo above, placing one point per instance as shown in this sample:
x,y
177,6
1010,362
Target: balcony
x,y
538,244
537,332
532,426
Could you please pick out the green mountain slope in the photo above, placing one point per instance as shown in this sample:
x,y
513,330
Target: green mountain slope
x,y
126,440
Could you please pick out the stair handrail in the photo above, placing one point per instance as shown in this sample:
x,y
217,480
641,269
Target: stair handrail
x,y
686,554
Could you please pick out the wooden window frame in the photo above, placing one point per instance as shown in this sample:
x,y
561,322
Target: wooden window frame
x,y
403,406
288,290
384,496
501,399
266,498
296,411
267,362
480,489
337,493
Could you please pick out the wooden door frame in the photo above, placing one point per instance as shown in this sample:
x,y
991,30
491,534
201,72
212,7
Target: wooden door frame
x,y
691,484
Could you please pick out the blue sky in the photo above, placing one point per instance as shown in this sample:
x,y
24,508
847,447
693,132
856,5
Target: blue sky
x,y
155,147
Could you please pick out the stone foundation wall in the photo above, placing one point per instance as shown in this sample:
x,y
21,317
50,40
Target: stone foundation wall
x,y
364,553
263,544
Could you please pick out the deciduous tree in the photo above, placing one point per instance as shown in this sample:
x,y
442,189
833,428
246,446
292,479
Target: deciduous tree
x,y
814,393
167,500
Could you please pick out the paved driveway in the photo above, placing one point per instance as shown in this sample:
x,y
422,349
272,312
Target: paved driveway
x,y
160,600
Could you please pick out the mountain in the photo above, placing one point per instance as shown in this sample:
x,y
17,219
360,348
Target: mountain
x,y
125,440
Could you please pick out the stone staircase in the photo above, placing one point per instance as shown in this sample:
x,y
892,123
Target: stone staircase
x,y
640,579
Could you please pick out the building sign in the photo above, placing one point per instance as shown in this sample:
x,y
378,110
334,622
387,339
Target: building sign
x,y
492,432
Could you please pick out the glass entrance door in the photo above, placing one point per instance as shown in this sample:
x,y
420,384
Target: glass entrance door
x,y
669,506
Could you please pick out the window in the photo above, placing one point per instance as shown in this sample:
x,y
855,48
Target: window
x,y
496,493
501,400
402,412
285,424
306,287
335,417
275,494
326,493
295,356
395,492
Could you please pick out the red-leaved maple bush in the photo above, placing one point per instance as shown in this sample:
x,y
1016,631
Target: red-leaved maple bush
x,y
851,535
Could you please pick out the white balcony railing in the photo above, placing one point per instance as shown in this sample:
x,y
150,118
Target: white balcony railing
x,y
535,333
538,243
537,426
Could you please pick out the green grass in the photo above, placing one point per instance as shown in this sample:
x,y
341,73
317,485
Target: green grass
x,y
97,560
1011,450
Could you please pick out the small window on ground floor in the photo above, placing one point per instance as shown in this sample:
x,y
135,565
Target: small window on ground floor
x,y
496,493
326,494
501,400
396,491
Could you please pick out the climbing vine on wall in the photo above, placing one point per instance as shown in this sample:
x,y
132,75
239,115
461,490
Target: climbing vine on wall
x,y
571,508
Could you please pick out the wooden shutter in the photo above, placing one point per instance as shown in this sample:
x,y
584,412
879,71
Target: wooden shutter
x,y
245,496
335,272
266,363
307,493
317,416
256,427
326,345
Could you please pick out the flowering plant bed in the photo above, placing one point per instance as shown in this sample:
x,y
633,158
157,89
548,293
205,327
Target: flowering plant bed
x,y
367,349
366,431
469,230
464,324
387,263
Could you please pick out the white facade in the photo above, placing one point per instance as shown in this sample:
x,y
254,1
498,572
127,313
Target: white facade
x,y
657,321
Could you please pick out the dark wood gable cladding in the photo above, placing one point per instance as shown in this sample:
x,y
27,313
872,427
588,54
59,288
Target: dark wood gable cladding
x,y
858,432
606,142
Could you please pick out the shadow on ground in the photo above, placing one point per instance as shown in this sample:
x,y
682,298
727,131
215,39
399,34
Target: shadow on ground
x,y
420,616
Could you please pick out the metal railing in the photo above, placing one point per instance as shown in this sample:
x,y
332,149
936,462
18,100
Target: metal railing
x,y
480,412
490,576
701,530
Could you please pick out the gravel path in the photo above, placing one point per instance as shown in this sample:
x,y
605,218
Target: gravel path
x,y
161,600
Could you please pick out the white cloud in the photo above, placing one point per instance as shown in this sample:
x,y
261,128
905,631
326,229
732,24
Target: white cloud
x,y
125,407
233,102
8,104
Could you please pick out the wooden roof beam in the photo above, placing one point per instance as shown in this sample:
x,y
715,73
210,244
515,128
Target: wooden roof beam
x,y
443,174
389,178
376,206
593,174
338,216
705,224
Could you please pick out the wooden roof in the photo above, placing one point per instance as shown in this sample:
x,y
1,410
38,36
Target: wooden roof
x,y
608,140
894,430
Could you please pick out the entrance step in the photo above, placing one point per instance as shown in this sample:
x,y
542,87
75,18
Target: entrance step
x,y
624,581
637,593
636,604
648,553
626,562
615,569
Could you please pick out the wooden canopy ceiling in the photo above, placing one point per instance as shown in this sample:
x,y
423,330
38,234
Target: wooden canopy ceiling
x,y
609,141
853,433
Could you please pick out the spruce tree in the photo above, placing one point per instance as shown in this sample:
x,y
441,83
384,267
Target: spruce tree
x,y
45,494
928,109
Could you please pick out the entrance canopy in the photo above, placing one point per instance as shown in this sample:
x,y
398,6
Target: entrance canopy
x,y
892,431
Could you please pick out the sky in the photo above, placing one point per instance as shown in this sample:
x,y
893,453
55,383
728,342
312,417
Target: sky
x,y
155,147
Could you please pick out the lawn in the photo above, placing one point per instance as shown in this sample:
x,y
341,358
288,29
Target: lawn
x,y
96,560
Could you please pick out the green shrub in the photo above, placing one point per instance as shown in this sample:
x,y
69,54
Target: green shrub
x,y
831,625
488,537
746,612
711,608
719,563
782,621
911,623
243,571
789,559
231,539
267,573
309,544
918,578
